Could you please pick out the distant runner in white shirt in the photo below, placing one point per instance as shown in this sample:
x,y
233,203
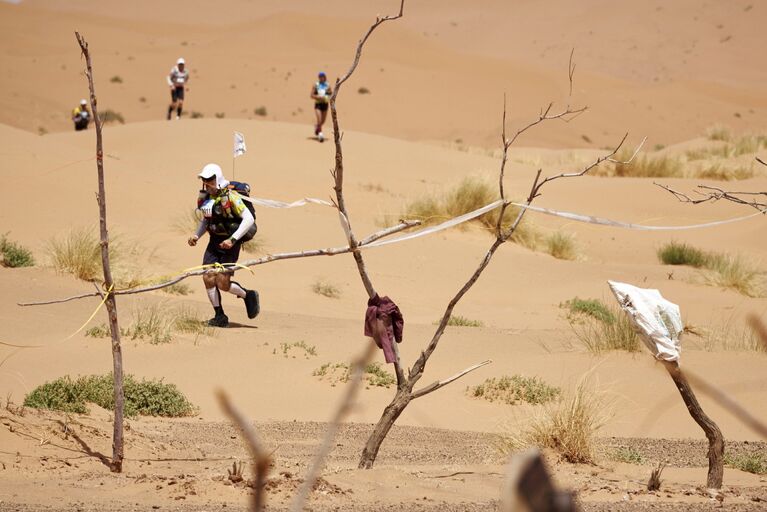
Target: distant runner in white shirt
x,y
177,80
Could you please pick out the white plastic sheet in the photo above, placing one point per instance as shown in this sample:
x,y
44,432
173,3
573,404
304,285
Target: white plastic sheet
x,y
657,321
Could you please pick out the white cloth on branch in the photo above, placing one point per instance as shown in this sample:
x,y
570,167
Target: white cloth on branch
x,y
657,321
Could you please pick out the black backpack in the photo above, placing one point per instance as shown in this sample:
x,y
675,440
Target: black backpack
x,y
243,189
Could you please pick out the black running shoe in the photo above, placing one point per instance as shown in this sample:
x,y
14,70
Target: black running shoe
x,y
219,321
251,303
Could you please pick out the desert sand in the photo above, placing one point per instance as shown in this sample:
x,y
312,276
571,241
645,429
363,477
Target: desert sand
x,y
436,82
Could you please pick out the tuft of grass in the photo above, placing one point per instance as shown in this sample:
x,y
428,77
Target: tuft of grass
x,y
186,223
321,287
363,90
736,273
117,79
111,116
725,270
643,166
260,111
599,335
719,132
144,398
720,172
79,253
375,374
14,255
676,253
309,350
750,463
180,288
561,246
472,193
219,115
567,426
515,388
594,308
749,144
731,336
627,454
196,115
156,324
462,321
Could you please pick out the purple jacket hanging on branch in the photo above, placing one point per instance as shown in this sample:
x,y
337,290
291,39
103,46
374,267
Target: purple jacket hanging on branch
x,y
384,309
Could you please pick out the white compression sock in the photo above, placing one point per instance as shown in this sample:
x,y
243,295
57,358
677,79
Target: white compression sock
x,y
214,296
237,289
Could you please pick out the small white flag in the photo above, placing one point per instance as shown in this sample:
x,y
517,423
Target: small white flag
x,y
239,144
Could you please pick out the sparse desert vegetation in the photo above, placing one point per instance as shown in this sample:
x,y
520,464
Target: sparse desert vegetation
x,y
326,289
725,270
156,324
561,245
335,373
515,388
287,349
462,321
567,426
470,194
600,328
111,116
14,255
142,398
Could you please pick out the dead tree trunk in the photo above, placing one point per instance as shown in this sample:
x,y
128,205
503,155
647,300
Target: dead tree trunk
x,y
714,435
111,304
390,414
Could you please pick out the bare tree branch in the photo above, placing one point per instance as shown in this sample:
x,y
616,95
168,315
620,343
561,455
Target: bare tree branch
x,y
713,194
760,161
111,304
403,225
259,457
344,407
441,383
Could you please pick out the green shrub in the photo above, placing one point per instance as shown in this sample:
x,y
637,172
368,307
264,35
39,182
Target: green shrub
x,y
516,388
627,454
145,398
116,79
375,375
676,253
260,111
14,255
461,321
598,334
725,270
594,308
750,463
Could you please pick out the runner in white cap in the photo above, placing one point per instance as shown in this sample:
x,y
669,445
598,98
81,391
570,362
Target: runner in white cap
x,y
81,116
177,80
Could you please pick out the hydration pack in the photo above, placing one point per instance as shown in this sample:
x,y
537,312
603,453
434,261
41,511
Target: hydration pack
x,y
218,225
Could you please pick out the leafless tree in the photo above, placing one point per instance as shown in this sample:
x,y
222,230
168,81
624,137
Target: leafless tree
x,y
111,304
406,391
706,194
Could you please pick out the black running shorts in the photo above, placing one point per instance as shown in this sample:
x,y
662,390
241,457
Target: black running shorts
x,y
177,93
215,254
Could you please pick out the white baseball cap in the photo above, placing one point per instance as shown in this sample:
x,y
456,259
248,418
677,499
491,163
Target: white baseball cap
x,y
209,171
180,60
83,102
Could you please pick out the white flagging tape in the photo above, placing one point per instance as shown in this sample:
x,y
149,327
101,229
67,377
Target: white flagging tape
x,y
439,227
271,203
590,219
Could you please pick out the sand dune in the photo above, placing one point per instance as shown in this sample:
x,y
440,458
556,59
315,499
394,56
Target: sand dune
x,y
432,117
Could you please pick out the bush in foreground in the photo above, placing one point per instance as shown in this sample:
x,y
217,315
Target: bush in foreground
x,y
144,398
568,426
14,255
